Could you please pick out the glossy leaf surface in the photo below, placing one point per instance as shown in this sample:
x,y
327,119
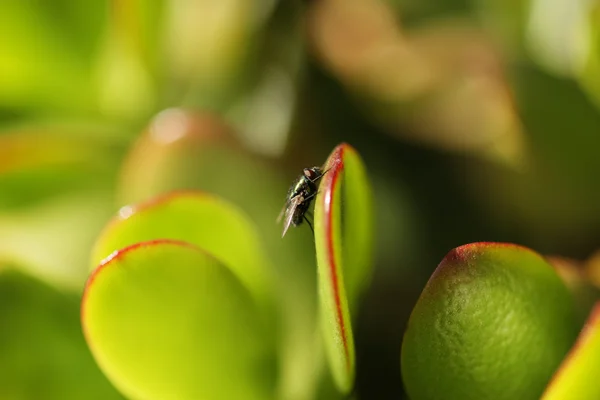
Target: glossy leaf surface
x,y
578,375
165,320
197,218
343,237
43,354
184,150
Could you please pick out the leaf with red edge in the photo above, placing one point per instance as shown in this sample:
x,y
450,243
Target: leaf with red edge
x,y
493,323
198,218
344,241
166,320
577,378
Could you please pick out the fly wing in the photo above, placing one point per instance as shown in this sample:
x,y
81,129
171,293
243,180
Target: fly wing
x,y
290,211
280,216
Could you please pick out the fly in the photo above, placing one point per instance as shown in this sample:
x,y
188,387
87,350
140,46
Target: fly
x,y
299,197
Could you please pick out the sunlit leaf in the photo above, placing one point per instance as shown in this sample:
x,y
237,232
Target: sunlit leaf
x,y
50,208
187,150
43,354
201,219
41,66
165,320
577,377
343,237
129,57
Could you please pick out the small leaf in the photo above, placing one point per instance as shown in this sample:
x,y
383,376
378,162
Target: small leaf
x,y
165,320
184,150
197,218
357,225
577,377
50,209
43,352
493,322
343,246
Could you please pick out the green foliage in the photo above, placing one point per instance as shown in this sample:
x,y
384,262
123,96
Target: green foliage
x,y
43,354
581,366
343,255
165,320
493,322
144,275
477,119
197,218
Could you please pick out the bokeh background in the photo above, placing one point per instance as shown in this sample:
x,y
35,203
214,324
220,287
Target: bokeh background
x,y
477,120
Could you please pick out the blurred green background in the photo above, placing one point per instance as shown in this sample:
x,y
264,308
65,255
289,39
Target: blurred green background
x,y
478,121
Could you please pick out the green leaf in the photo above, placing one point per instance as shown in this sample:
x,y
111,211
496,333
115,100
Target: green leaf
x,y
52,240
43,354
50,209
166,320
493,322
577,376
588,19
201,219
129,56
344,244
357,224
62,81
185,150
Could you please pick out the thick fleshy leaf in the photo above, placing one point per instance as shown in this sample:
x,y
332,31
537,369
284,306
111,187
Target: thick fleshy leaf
x,y
493,322
165,320
61,82
41,161
185,150
586,20
43,354
50,209
343,236
357,225
52,240
201,219
577,378
129,55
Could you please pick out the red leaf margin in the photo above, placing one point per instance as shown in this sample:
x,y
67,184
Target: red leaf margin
x,y
334,168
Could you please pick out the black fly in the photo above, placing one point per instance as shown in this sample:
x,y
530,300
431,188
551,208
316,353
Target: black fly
x,y
299,197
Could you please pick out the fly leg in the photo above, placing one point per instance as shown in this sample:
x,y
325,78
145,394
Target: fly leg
x,y
309,224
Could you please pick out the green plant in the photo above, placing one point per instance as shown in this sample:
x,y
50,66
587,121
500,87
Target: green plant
x,y
184,303
494,322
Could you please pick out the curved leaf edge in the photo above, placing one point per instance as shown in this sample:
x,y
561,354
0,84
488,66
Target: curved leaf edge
x,y
118,255
562,383
113,261
327,235
127,211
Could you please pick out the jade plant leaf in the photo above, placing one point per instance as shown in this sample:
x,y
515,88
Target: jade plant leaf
x,y
62,81
50,209
577,376
183,150
166,320
493,322
343,238
198,218
43,354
